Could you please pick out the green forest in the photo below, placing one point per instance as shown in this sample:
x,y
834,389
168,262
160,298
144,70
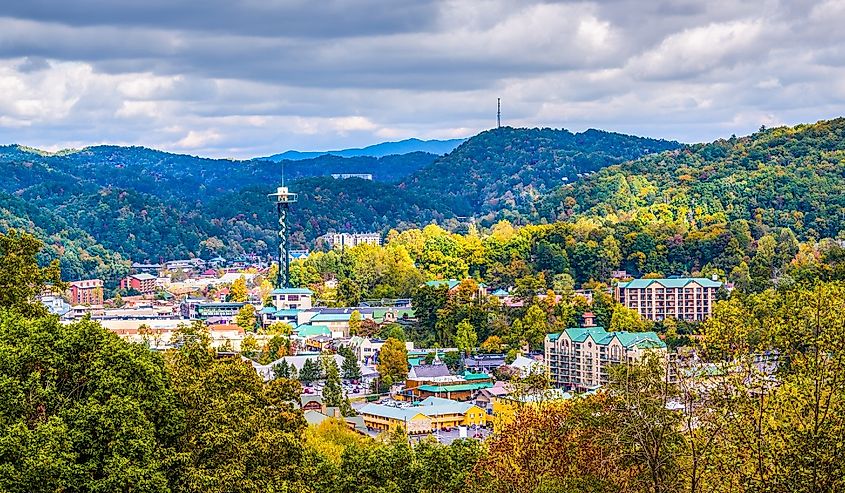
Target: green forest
x,y
118,204
102,207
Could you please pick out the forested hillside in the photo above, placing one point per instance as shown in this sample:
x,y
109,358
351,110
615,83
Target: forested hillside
x,y
141,204
105,205
508,168
782,177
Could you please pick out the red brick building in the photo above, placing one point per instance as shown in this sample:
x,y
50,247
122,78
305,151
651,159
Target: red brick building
x,y
142,283
86,292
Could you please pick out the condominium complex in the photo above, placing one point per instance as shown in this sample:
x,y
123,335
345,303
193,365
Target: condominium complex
x,y
87,292
688,298
340,240
578,358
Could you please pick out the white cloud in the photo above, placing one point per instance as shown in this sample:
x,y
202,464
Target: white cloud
x,y
230,81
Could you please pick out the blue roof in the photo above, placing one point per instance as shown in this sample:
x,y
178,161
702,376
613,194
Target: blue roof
x,y
331,317
679,282
292,291
499,292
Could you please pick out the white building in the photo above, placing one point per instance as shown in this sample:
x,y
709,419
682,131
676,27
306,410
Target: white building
x,y
340,240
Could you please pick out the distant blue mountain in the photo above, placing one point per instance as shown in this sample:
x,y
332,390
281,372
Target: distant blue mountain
x,y
407,146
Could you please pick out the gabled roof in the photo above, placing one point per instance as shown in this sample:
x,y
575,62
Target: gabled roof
x,y
308,330
670,283
434,401
429,371
451,283
523,362
603,337
452,407
315,417
499,292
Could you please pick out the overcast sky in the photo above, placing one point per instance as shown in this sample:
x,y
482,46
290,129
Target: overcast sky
x,y
243,78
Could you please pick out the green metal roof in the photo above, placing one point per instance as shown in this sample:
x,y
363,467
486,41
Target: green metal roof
x,y
670,283
603,337
292,291
451,283
455,388
475,376
312,330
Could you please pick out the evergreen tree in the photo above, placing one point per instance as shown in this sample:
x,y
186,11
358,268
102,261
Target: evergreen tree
x,y
310,371
350,367
283,370
333,390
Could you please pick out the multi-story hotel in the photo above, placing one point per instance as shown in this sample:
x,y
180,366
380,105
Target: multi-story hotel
x,y
687,298
578,358
340,240
142,283
87,292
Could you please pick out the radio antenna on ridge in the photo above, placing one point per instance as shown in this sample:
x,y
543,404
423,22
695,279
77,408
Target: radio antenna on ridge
x,y
498,112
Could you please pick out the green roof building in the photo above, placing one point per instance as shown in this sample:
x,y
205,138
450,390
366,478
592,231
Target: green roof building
x,y
578,358
683,298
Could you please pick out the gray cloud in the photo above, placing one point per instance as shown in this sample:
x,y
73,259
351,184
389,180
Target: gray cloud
x,y
245,78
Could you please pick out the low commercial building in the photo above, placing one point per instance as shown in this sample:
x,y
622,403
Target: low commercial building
x,y
686,298
458,391
386,418
578,358
430,415
218,311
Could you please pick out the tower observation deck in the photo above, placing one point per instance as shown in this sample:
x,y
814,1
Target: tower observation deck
x,y
283,198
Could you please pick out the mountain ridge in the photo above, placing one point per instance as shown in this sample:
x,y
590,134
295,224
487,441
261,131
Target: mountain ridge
x,y
382,149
